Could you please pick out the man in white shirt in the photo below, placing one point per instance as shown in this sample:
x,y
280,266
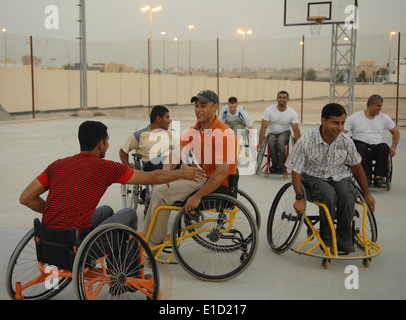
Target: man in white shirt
x,y
320,158
367,127
277,120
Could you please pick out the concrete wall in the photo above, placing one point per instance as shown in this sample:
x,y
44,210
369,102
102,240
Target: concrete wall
x,y
60,89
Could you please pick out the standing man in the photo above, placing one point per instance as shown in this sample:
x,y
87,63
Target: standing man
x,y
320,158
214,145
153,142
367,127
76,184
277,120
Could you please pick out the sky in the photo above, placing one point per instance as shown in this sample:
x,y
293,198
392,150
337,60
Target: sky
x,y
110,20
113,26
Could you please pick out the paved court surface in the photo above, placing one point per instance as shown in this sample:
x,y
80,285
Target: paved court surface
x,y
27,147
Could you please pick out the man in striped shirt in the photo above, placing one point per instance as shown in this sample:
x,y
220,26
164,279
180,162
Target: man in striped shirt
x,y
77,183
320,158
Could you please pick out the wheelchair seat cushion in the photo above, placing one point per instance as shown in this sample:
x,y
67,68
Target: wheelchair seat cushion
x,y
56,247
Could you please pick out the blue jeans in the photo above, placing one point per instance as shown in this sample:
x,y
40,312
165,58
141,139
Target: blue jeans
x,y
105,214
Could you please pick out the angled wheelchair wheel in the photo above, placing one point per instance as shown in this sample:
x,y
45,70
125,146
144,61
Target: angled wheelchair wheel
x,y
110,264
371,226
284,223
23,269
260,157
130,195
250,204
217,241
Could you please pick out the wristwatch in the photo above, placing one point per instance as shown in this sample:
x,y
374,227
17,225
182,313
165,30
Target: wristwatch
x,y
299,196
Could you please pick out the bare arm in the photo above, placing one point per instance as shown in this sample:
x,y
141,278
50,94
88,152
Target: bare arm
x,y
262,131
215,180
359,175
296,131
31,196
165,176
124,157
299,205
395,140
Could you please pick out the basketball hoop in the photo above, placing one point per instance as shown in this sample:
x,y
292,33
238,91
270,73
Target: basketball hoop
x,y
316,24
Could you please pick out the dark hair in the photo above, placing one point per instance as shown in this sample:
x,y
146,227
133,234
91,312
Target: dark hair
x,y
90,133
232,100
157,111
374,99
333,110
283,92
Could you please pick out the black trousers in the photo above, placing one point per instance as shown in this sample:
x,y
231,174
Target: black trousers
x,y
339,197
379,153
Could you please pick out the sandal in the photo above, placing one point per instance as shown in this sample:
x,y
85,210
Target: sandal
x,y
380,183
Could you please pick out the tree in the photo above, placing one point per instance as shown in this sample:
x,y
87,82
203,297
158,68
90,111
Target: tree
x,y
310,75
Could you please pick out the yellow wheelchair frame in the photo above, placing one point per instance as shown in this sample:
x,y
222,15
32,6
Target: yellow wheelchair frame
x,y
232,211
370,248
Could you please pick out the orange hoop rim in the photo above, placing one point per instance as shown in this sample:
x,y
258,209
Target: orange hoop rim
x,y
316,19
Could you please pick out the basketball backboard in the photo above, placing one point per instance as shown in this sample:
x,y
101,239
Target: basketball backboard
x,y
296,12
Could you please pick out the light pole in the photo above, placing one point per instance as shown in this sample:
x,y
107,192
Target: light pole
x,y
176,39
393,33
190,48
243,33
5,45
163,33
151,10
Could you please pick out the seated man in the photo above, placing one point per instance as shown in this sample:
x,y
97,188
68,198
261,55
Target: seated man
x,y
153,142
276,121
367,127
320,158
76,184
236,117
217,157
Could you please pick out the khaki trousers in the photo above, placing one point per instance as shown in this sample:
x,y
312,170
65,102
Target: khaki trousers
x,y
178,190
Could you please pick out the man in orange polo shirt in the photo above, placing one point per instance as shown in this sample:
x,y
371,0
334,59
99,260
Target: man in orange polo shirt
x,y
214,146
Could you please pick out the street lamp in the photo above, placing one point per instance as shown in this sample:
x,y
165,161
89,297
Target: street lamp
x,y
163,33
5,45
151,10
190,48
243,33
176,39
393,33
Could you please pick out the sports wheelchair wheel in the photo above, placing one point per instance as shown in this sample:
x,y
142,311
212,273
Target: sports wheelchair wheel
x,y
371,226
284,223
217,241
23,267
250,204
261,154
110,265
130,194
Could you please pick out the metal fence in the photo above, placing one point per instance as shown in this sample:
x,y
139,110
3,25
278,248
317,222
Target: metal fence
x,y
376,56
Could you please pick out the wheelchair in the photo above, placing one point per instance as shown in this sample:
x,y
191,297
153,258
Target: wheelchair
x,y
264,167
107,264
388,178
215,242
284,225
133,195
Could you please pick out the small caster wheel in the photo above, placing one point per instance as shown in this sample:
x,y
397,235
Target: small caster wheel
x,y
366,262
325,263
